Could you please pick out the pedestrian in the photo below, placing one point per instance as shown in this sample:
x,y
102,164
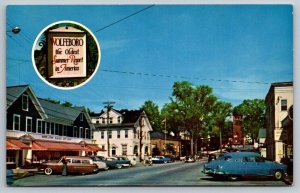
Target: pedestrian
x,y
65,168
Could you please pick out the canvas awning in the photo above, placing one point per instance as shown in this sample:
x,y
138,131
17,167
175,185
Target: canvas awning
x,y
57,146
15,144
93,148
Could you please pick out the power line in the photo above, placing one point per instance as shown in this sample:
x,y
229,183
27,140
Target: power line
x,y
182,77
166,76
135,13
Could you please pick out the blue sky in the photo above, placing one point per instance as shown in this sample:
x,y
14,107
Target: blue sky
x,y
225,47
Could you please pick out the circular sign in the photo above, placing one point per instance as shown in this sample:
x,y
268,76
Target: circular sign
x,y
66,55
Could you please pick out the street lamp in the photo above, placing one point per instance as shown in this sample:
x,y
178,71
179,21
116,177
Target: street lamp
x,y
16,30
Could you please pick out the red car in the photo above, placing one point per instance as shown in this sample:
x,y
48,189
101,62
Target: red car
x,y
75,165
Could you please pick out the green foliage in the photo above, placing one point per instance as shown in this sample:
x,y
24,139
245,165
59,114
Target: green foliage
x,y
253,115
152,111
52,101
67,104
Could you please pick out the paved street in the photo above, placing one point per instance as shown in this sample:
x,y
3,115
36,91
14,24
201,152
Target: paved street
x,y
172,174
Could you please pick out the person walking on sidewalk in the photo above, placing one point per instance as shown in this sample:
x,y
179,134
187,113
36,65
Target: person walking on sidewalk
x,y
65,166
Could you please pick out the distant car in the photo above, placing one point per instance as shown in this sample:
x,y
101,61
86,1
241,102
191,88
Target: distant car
x,y
100,163
160,159
75,165
189,159
111,163
238,164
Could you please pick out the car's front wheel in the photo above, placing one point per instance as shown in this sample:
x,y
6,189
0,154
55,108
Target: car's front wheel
x,y
119,166
278,175
48,171
233,178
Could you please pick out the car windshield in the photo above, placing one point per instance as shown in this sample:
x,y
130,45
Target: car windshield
x,y
226,158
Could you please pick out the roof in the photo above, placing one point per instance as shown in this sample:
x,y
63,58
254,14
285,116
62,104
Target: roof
x,y
58,113
49,111
278,84
130,116
14,92
241,154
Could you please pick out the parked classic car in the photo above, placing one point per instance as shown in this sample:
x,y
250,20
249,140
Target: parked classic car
x,y
160,159
75,165
111,163
100,163
122,161
238,164
189,159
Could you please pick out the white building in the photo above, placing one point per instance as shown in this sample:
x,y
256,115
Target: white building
x,y
128,133
278,100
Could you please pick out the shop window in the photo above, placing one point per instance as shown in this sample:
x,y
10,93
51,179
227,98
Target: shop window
x,y
16,122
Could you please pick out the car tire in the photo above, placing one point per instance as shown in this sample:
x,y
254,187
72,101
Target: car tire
x,y
278,175
119,166
48,171
233,178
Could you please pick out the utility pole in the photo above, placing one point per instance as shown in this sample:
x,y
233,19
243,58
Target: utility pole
x,y
141,124
165,135
109,105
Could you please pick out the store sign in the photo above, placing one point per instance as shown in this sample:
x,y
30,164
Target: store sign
x,y
66,53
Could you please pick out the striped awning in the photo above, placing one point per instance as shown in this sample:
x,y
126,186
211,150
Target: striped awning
x,y
15,144
56,146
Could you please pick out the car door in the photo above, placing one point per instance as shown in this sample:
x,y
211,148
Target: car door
x,y
263,167
250,165
74,166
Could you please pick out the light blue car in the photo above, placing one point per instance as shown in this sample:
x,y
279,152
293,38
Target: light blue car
x,y
238,164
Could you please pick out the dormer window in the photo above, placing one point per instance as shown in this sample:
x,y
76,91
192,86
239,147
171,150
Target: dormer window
x,y
81,116
25,102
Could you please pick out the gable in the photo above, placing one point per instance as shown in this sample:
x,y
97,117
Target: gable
x,y
14,95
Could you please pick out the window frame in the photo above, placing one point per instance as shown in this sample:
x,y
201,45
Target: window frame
x,y
37,125
28,118
27,102
285,106
19,124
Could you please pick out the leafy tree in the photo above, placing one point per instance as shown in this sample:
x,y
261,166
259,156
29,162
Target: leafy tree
x,y
220,112
152,111
67,104
52,100
253,116
190,107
